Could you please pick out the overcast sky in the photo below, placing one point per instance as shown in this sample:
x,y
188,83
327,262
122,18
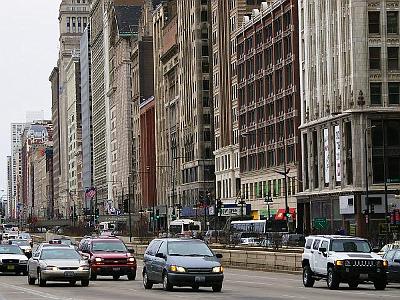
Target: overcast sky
x,y
28,53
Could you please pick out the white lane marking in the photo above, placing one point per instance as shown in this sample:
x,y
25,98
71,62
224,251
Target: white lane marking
x,y
33,292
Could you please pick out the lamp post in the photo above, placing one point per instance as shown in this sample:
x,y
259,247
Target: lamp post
x,y
366,175
129,207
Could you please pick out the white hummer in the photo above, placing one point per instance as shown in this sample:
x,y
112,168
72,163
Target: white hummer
x,y
342,259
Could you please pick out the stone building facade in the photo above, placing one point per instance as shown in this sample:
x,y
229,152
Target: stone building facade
x,y
350,87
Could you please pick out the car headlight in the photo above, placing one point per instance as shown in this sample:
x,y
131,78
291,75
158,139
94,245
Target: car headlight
x,y
83,268
51,268
339,263
219,269
177,269
385,263
131,259
98,259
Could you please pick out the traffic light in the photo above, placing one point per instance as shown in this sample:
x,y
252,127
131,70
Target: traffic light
x,y
219,206
157,214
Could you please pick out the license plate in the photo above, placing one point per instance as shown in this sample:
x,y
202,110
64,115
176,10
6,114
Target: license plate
x,y
10,267
116,269
363,276
200,279
69,274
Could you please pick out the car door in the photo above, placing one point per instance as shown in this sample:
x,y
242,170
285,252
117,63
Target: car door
x,y
314,255
321,258
158,264
394,267
149,257
34,263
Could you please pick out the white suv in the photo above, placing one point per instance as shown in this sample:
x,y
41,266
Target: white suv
x,y
342,259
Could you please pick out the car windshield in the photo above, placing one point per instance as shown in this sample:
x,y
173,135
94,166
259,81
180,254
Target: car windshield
x,y
66,242
109,247
20,242
60,254
24,236
10,249
344,245
189,249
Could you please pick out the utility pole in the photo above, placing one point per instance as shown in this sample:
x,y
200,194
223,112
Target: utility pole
x,y
129,207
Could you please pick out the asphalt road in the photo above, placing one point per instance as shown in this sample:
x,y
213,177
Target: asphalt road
x,y
238,284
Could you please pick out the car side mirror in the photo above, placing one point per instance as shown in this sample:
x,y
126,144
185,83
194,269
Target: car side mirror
x,y
323,250
397,260
376,250
131,251
218,255
161,255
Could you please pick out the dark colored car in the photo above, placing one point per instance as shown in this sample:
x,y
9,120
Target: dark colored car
x,y
108,256
393,272
182,262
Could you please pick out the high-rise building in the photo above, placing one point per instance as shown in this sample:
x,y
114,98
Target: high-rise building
x,y
227,17
73,19
9,211
350,114
16,133
195,89
269,109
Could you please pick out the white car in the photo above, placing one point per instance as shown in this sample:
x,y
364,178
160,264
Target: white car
x,y
12,259
387,247
23,244
342,259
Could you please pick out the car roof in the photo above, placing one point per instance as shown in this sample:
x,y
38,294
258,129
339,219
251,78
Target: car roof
x,y
335,237
179,240
47,245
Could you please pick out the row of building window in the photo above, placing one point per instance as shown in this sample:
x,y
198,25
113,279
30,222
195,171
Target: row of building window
x,y
270,188
76,24
376,93
392,22
392,58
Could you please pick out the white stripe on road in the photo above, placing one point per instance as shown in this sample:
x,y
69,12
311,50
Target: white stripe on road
x,y
33,292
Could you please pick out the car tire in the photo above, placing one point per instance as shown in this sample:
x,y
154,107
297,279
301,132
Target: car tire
x,y
116,277
333,280
72,282
217,288
146,282
85,282
93,275
31,281
353,284
308,280
132,276
380,284
167,286
41,281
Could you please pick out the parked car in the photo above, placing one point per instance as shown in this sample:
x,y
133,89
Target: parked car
x,y
342,259
393,258
24,245
182,262
55,263
108,256
12,259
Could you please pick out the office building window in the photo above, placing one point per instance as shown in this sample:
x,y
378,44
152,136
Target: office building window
x,y
392,22
376,93
394,92
374,58
374,22
393,58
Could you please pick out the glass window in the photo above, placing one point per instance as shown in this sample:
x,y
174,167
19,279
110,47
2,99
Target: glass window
x,y
316,244
163,248
393,58
344,245
376,93
324,244
396,255
189,248
373,21
394,92
309,243
374,58
392,22
59,254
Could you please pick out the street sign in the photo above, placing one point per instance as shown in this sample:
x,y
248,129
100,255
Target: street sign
x,y
320,223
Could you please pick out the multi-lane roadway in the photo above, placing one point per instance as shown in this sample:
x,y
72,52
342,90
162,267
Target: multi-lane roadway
x,y
239,284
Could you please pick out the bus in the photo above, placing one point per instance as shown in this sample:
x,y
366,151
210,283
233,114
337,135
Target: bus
x,y
259,226
184,227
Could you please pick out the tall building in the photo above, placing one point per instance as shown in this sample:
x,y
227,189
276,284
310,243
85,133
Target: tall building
x,y
195,90
73,19
167,103
350,88
227,18
16,133
86,110
9,188
74,190
269,109
32,116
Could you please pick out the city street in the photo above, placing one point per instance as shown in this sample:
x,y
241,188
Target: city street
x,y
239,284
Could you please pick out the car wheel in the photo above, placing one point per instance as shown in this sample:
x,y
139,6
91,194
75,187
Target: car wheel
x,y
308,280
72,282
116,277
167,286
93,275
146,282
353,284
85,282
31,281
380,284
132,276
41,281
332,281
217,288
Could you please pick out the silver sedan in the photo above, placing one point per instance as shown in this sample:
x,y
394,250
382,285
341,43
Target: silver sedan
x,y
57,264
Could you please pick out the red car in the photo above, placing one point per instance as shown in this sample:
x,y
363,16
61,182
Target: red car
x,y
108,256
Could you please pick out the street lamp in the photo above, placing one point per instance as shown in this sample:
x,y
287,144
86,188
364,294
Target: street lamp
x,y
366,174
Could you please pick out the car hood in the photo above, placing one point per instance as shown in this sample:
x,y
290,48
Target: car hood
x,y
13,256
111,255
366,256
194,262
26,247
63,263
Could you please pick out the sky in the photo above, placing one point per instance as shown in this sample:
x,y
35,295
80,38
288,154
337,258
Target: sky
x,y
28,53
